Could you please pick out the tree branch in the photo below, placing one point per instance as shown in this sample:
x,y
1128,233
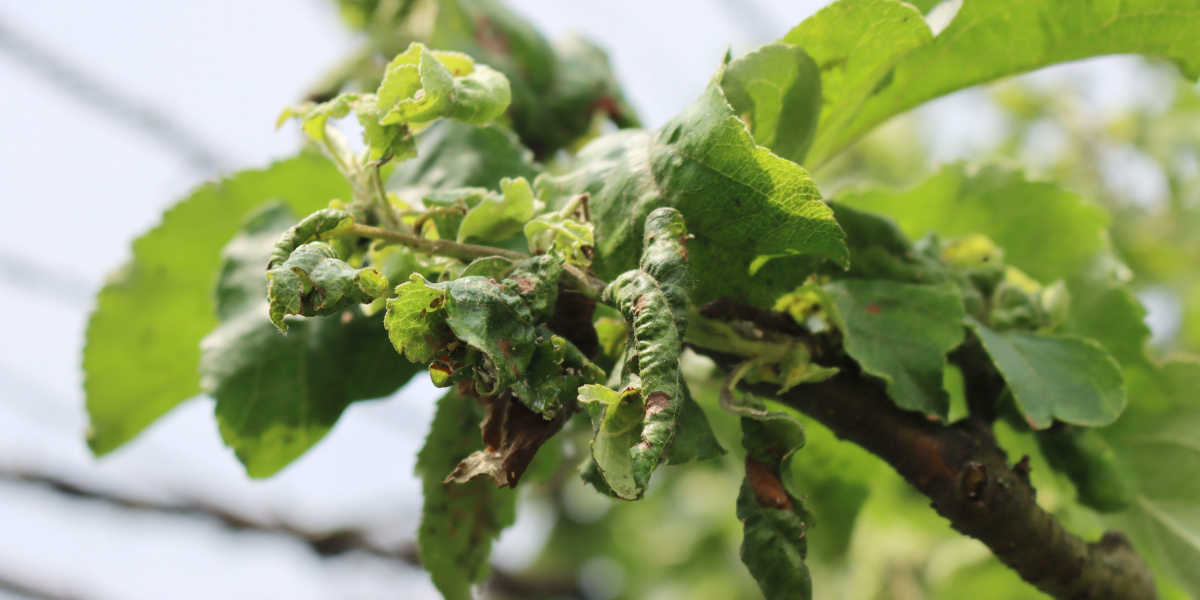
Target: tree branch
x,y
967,476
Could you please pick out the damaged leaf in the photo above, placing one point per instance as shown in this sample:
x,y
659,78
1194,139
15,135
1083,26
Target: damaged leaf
x,y
416,320
313,282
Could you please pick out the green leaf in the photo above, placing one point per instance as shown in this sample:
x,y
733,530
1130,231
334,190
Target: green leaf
x,y
987,40
1101,482
740,202
313,117
498,217
420,85
1157,436
277,396
880,250
900,333
416,320
1105,309
617,422
1056,377
453,155
855,44
776,91
459,520
322,224
1045,230
143,340
694,437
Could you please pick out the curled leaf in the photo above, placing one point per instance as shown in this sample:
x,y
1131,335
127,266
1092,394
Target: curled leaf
x,y
617,422
513,434
573,238
323,223
314,282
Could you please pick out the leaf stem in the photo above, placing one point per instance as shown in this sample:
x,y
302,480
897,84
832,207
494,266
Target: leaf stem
x,y
464,252
587,285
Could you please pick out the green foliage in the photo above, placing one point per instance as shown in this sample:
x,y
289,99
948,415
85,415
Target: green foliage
x,y
416,320
452,155
901,334
1056,377
705,164
881,59
498,217
143,339
459,520
1157,437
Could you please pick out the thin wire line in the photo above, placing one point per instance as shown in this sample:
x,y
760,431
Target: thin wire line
x,y
129,112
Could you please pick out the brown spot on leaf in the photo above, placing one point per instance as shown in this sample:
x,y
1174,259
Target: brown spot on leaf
x,y
505,348
768,489
874,309
525,284
656,403
436,302
640,303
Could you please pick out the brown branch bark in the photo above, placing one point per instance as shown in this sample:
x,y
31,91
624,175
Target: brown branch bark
x,y
968,478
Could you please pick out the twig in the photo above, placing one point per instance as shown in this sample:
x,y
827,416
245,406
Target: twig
x,y
967,476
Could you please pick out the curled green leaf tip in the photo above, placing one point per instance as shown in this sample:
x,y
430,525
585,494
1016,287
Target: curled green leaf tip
x,y
324,223
313,282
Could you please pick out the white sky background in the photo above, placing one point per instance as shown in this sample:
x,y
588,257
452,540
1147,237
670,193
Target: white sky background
x,y
77,186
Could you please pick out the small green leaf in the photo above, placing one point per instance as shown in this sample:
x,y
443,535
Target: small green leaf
x,y
900,333
318,225
421,86
498,217
416,320
143,340
460,520
1070,379
617,420
570,237
740,202
776,91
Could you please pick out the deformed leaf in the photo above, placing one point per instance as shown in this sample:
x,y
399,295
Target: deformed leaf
x,y
495,322
420,86
459,521
774,543
498,217
324,223
776,90
416,320
555,373
741,202
1067,378
900,333
143,339
313,282
535,281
